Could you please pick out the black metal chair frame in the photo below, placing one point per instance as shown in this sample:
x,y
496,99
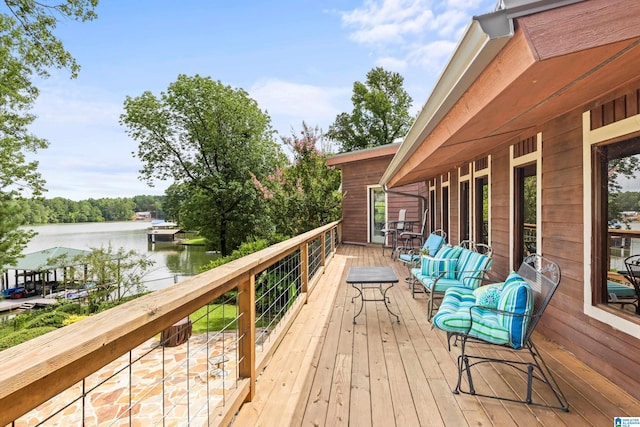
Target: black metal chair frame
x,y
632,263
408,238
391,230
543,276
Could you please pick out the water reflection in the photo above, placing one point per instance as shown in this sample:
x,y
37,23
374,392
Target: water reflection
x,y
174,262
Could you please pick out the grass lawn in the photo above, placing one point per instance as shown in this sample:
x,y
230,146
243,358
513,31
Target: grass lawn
x,y
219,316
198,241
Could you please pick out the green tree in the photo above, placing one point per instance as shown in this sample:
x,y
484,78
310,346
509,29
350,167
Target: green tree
x,y
305,194
28,48
208,138
380,113
619,167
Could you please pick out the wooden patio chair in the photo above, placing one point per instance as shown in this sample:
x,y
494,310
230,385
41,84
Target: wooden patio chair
x,y
503,315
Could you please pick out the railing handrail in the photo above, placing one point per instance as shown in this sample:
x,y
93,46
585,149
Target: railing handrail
x,y
34,371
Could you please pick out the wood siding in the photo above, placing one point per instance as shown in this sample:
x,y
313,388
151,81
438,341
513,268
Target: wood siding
x,y
613,111
356,179
609,351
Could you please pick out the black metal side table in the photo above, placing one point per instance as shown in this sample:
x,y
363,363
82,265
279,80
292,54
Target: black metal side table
x,y
361,278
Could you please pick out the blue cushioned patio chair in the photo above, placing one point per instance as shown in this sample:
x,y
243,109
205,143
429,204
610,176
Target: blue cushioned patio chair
x,y
505,315
451,267
622,294
411,256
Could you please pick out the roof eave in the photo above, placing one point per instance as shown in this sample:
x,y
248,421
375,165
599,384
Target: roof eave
x,y
483,39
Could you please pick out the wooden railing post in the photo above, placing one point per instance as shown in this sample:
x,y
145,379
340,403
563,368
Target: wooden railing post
x,y
247,330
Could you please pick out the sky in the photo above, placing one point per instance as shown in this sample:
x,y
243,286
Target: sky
x,y
297,58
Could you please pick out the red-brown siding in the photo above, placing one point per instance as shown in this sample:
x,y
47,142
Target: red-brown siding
x,y
611,352
356,177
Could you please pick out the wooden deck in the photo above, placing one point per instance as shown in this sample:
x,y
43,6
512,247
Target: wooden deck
x,y
328,371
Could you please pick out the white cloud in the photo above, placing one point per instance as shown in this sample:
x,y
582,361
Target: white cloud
x,y
449,23
89,154
465,4
393,64
296,102
387,22
431,55
411,32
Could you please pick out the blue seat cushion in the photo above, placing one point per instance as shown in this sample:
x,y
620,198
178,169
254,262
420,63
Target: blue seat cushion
x,y
620,291
449,252
454,315
409,258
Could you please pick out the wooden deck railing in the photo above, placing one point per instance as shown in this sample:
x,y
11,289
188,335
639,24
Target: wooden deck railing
x,y
40,370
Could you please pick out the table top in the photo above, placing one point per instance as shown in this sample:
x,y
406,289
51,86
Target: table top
x,y
371,275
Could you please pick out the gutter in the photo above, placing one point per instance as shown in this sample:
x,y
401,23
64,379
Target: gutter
x,y
484,38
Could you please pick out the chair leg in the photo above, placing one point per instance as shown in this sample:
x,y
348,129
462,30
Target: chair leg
x,y
535,370
429,304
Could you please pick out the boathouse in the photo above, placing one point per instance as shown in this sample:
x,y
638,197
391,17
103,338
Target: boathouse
x,y
37,272
163,231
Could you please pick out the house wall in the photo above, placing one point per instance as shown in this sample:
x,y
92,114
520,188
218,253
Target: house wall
x,y
357,177
612,352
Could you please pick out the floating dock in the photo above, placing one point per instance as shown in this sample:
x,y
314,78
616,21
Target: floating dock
x,y
23,304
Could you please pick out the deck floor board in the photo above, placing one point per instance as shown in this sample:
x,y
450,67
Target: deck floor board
x,y
328,371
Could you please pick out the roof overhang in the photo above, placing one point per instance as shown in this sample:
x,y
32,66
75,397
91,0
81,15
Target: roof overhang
x,y
365,154
514,70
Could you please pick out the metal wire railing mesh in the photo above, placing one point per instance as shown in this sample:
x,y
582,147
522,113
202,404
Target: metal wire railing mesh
x,y
176,378
315,256
328,247
277,288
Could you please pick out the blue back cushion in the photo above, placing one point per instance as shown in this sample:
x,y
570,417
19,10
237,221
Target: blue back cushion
x,y
433,243
516,297
471,267
449,252
433,267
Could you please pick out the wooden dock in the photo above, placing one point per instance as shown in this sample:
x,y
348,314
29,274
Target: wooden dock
x,y
24,304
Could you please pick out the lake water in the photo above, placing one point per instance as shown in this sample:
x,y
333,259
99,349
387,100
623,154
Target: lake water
x,y
173,262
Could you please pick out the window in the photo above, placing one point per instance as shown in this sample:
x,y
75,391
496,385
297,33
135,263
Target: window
x,y
377,214
481,208
432,208
616,229
525,198
465,215
525,212
445,209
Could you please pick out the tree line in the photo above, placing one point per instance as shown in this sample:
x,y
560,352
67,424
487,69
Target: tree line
x,y
231,176
59,210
